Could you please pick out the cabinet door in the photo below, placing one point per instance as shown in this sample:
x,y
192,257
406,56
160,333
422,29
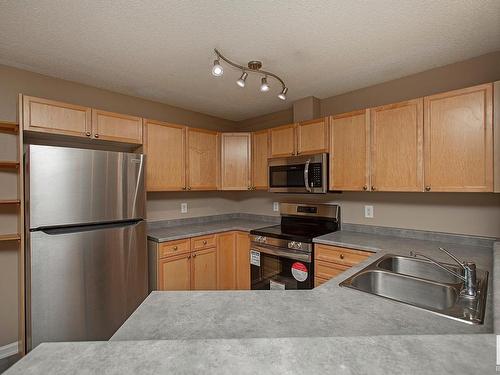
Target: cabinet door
x,y
458,140
260,153
242,261
174,273
350,151
235,161
283,141
202,160
116,127
204,270
312,136
166,156
49,116
397,146
226,261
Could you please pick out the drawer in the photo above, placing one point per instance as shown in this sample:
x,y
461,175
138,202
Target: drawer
x,y
202,242
173,248
318,281
326,270
340,255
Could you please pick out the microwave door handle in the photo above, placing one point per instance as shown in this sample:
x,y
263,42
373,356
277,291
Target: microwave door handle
x,y
306,175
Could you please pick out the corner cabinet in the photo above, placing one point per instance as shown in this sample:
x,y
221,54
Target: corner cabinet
x,y
396,132
312,136
165,147
260,154
202,159
235,161
350,151
459,140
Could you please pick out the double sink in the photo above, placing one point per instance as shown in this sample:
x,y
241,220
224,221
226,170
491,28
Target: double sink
x,y
424,285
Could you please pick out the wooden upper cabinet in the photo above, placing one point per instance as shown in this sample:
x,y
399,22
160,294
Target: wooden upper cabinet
x,y
282,141
312,136
350,151
242,261
260,154
202,159
164,145
235,161
458,140
397,146
226,262
116,127
49,116
174,273
204,270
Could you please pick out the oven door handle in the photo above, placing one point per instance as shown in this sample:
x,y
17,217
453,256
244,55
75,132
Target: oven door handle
x,y
306,175
290,254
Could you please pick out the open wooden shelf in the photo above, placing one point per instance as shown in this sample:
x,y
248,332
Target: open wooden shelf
x,y
9,127
10,201
10,237
9,164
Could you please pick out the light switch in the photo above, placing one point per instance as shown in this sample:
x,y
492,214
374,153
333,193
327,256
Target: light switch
x,y
184,208
369,212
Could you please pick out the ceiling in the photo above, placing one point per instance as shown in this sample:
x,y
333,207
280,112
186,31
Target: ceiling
x,y
163,49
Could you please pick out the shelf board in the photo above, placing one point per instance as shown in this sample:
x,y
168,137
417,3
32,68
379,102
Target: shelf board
x,y
10,237
9,164
10,201
9,127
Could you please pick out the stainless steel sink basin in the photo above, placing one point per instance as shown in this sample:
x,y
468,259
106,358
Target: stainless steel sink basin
x,y
419,268
421,284
410,290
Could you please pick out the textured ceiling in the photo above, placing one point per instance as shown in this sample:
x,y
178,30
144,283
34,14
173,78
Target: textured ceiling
x,y
162,50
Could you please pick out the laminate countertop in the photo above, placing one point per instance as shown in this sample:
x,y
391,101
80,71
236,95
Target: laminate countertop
x,y
327,329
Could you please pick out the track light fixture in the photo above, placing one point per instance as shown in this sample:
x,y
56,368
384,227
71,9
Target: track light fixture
x,y
243,78
252,67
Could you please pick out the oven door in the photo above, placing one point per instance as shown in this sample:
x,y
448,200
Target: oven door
x,y
277,268
299,174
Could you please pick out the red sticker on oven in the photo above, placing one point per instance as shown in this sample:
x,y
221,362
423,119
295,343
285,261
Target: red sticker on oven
x,y
299,271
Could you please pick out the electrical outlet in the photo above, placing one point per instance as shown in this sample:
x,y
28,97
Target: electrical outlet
x,y
369,212
184,208
276,206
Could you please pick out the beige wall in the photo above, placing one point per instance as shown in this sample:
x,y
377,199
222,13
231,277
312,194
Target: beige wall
x,y
14,81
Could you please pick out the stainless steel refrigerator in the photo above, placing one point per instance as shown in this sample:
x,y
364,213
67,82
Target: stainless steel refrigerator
x,y
86,247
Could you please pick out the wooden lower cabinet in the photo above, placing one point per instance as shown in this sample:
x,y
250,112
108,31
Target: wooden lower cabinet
x,y
331,261
174,273
204,270
226,261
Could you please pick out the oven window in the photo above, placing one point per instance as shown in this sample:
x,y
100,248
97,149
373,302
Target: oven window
x,y
287,176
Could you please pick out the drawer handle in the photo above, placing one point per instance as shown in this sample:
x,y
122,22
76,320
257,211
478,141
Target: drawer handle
x,y
175,248
341,256
204,242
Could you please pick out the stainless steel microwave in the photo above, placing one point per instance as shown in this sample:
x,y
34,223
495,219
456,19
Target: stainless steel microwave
x,y
299,174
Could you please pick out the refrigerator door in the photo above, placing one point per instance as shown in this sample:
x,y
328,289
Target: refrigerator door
x,y
84,282
67,186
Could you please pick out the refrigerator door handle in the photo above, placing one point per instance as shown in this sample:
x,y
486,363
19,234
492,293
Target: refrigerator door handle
x,y
85,227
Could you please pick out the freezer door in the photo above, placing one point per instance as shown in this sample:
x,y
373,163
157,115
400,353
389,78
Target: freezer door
x,y
83,284
73,186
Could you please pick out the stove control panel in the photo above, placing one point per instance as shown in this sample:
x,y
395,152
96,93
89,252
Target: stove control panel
x,y
295,245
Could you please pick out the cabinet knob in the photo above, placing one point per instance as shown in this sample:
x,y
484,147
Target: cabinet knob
x,y
365,188
427,188
204,242
184,188
189,188
194,255
341,256
88,134
96,135
189,256
175,248
374,188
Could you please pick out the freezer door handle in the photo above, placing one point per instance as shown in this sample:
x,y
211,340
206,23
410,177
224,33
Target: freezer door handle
x,y
86,227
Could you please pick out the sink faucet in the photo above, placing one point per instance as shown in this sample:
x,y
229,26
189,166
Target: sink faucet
x,y
469,278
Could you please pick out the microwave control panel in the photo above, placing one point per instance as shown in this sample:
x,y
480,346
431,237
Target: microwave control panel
x,y
315,175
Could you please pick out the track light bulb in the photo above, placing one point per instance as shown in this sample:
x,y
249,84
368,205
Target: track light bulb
x,y
241,81
217,70
264,87
282,94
